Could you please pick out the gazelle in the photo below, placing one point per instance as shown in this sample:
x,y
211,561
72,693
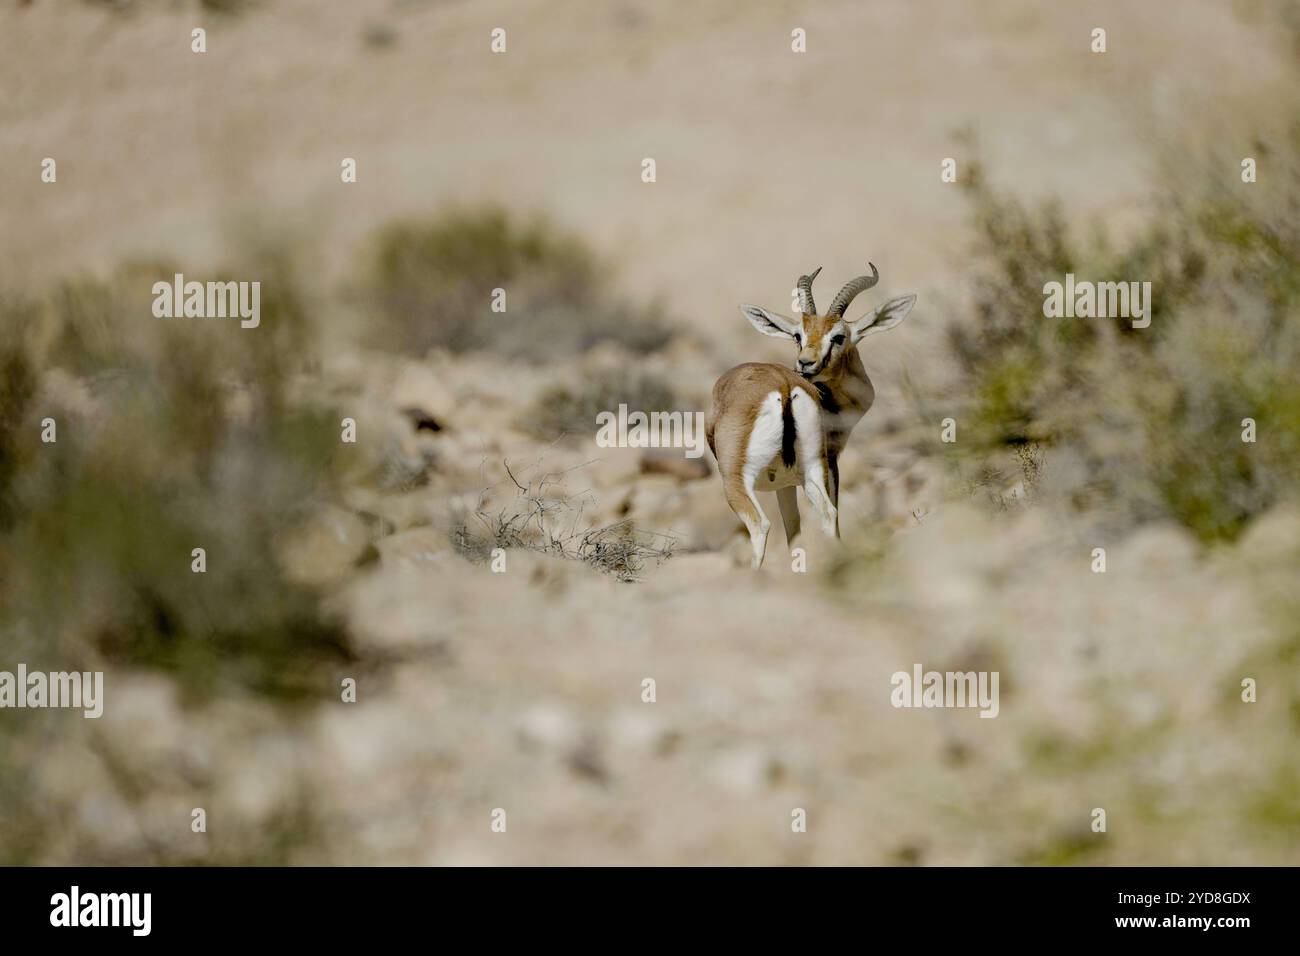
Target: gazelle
x,y
777,429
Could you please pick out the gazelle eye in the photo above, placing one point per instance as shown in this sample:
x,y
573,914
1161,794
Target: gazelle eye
x,y
798,339
838,340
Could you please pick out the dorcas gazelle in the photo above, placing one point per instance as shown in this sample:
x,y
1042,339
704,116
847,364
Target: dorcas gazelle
x,y
774,428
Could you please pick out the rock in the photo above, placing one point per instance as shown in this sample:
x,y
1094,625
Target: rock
x,y
695,513
685,572
639,732
326,548
654,495
421,387
745,770
369,739
549,728
418,546
405,466
667,461
259,782
421,420
1160,548
587,761
611,468
142,720
1272,537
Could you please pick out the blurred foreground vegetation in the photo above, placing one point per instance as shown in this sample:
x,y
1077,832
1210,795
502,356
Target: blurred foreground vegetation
x,y
172,434
179,433
176,434
1143,424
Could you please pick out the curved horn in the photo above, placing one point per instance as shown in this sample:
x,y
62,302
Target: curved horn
x,y
850,291
805,292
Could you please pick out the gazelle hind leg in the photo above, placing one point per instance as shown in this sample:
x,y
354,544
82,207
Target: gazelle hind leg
x,y
812,459
764,444
815,488
745,505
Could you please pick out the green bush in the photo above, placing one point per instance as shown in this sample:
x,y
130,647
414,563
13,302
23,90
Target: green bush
x,y
432,284
1155,414
191,442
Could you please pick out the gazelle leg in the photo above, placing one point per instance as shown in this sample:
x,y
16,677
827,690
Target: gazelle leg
x,y
745,504
833,468
764,444
787,500
819,497
812,458
735,486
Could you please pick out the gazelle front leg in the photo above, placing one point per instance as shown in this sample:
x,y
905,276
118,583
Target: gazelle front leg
x,y
787,500
833,485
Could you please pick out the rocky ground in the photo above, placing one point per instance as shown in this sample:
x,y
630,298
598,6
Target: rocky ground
x,y
523,690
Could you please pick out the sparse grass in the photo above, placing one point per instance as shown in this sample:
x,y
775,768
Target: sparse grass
x,y
432,283
545,518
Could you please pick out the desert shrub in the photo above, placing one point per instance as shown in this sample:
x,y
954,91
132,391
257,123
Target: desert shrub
x,y
1151,418
17,391
171,434
571,408
190,441
543,517
431,285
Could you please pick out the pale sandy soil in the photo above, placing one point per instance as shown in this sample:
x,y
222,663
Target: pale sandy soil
x,y
523,690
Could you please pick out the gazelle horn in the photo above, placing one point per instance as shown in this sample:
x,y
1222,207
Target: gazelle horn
x,y
851,290
805,292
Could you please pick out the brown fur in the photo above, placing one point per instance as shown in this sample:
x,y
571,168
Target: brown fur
x,y
728,428
728,435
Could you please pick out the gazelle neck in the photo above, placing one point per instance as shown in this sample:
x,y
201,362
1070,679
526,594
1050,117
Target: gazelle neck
x,y
847,383
846,394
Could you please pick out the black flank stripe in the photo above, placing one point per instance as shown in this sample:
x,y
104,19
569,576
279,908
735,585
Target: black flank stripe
x,y
787,432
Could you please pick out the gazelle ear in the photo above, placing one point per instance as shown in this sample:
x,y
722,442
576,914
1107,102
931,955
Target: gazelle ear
x,y
769,323
885,317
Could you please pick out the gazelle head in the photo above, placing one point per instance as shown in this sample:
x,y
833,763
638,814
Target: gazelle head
x,y
824,341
